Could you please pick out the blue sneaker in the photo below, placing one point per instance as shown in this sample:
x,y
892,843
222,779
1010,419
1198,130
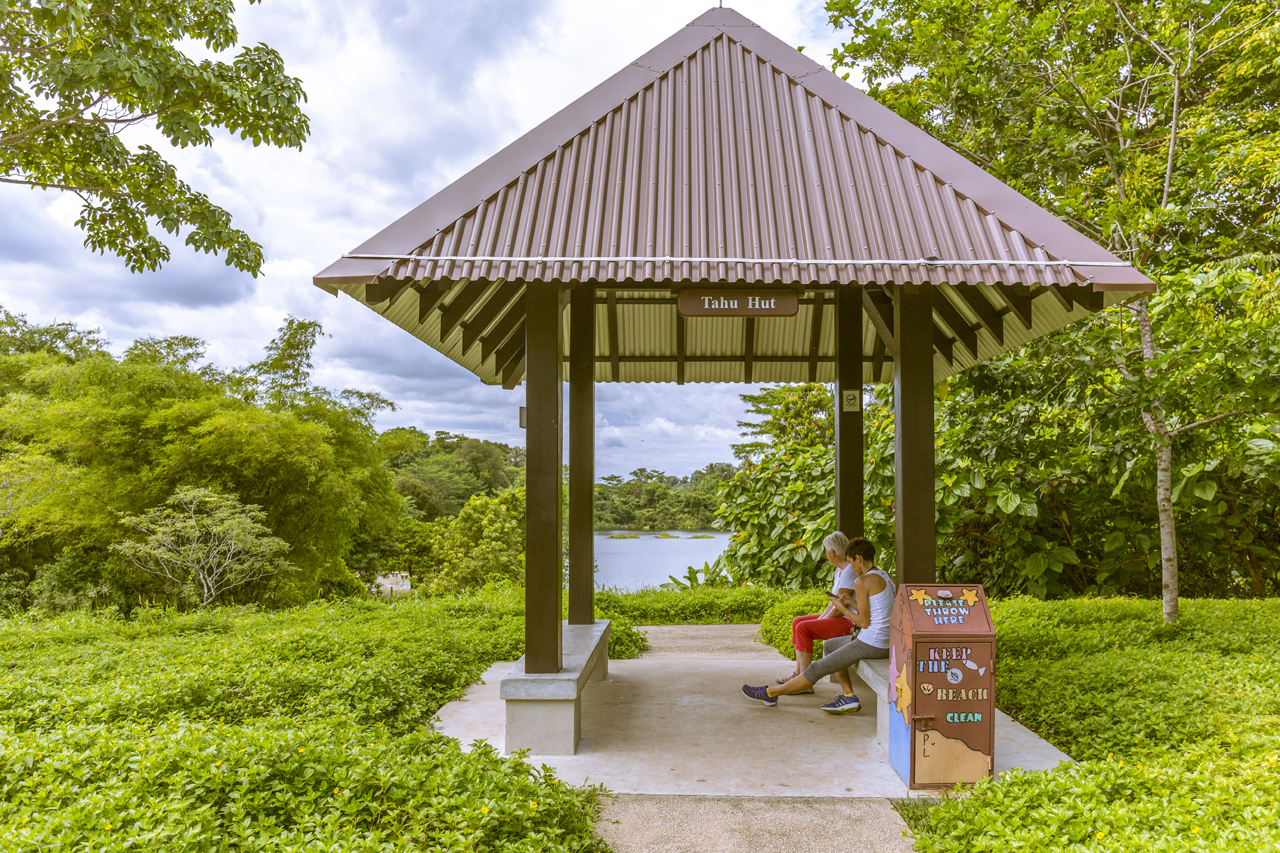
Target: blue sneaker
x,y
842,705
760,694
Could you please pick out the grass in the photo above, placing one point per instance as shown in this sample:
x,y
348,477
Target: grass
x,y
1176,731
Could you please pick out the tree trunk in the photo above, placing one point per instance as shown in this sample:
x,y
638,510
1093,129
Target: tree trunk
x,y
1159,430
1259,585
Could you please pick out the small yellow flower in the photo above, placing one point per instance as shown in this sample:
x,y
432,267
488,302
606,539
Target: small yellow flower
x,y
1102,833
301,750
1195,829
484,810
108,826
217,764
532,804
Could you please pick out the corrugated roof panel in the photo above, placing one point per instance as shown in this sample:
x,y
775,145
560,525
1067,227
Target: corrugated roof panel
x,y
722,143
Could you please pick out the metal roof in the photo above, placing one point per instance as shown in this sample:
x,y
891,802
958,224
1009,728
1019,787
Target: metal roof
x,y
725,157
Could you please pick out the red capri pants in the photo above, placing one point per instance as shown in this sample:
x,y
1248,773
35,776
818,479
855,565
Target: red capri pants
x,y
806,629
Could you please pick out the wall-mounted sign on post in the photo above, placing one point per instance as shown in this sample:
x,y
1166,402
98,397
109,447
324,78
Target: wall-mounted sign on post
x,y
851,401
738,302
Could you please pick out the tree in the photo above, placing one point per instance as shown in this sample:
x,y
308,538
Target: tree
x,y
204,542
75,74
1150,126
793,414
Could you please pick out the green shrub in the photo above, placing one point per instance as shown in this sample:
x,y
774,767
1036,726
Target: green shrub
x,y
699,605
1177,730
289,730
775,625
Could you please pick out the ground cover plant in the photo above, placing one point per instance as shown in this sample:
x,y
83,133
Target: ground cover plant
x,y
1176,730
230,729
699,605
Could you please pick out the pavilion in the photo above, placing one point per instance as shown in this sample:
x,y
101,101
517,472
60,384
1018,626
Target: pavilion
x,y
724,209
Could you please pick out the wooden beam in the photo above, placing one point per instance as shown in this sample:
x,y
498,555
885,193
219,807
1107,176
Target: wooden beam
x,y
1063,295
429,295
955,321
877,360
1019,298
748,348
451,315
914,522
680,348
582,454
489,311
612,316
943,344
513,373
543,439
879,308
815,333
848,447
990,317
383,289
511,350
504,327
708,359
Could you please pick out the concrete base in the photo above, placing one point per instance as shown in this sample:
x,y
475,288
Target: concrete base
x,y
678,724
544,709
876,674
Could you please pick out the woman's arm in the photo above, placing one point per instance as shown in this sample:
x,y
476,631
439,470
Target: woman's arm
x,y
843,603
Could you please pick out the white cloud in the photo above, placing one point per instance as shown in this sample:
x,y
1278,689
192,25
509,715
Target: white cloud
x,y
404,97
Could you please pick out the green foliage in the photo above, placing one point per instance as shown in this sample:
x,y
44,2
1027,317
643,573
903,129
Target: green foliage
x,y
439,476
98,436
78,73
800,415
1174,726
652,500
700,605
293,730
204,543
484,543
780,509
775,624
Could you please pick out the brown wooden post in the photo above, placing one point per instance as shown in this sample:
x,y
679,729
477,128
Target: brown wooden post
x,y
849,455
543,439
582,454
913,433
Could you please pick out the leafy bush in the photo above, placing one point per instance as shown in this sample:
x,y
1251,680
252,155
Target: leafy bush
x,y
230,729
1176,728
775,625
694,606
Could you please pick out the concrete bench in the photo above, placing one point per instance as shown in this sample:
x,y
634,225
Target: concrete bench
x,y
544,710
876,674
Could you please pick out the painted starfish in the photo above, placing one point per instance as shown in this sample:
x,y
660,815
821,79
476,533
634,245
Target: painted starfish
x,y
919,596
904,696
970,596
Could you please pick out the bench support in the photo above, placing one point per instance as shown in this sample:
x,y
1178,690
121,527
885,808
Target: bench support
x,y
544,710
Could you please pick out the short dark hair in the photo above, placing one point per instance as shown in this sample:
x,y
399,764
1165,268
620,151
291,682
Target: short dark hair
x,y
860,546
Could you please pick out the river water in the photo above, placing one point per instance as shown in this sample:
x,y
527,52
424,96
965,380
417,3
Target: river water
x,y
629,564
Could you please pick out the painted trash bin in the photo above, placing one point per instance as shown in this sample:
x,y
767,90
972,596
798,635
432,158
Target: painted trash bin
x,y
942,685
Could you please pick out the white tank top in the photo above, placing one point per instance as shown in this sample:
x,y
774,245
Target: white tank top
x,y
877,633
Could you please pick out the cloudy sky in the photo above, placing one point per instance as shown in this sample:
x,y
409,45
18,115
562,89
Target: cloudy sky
x,y
404,97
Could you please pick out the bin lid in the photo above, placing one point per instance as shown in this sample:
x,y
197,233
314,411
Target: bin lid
x,y
931,608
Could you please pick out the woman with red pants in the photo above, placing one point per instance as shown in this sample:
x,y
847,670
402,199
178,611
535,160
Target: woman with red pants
x,y
830,622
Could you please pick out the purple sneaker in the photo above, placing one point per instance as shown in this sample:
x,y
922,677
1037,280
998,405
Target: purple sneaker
x,y
760,694
843,705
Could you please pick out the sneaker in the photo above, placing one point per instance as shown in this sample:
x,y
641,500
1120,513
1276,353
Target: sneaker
x,y
759,694
843,705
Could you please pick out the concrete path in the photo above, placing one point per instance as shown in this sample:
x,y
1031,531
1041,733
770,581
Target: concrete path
x,y
644,824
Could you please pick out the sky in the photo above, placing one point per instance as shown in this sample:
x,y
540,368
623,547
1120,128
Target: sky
x,y
404,97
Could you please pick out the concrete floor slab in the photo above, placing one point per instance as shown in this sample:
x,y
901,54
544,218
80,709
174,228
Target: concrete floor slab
x,y
648,824
670,725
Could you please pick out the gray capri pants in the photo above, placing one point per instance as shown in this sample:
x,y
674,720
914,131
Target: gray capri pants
x,y
845,656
